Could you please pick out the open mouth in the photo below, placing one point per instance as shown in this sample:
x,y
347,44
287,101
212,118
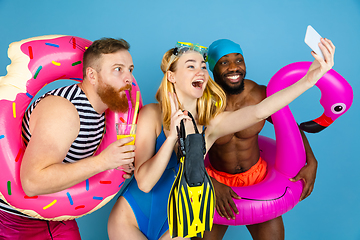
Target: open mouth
x,y
197,83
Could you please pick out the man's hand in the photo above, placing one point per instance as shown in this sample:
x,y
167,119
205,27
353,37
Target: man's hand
x,y
118,154
225,205
308,175
308,172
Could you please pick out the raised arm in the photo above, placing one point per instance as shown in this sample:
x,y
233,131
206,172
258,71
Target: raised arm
x,y
223,124
42,169
149,167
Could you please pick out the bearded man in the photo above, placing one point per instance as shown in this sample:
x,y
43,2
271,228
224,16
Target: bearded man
x,y
66,125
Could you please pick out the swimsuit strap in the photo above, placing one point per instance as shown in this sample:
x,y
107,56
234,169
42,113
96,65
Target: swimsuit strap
x,y
193,121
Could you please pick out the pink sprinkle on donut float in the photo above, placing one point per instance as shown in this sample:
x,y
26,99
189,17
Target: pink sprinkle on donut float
x,y
36,62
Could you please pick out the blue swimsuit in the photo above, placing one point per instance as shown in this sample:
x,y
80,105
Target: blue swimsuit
x,y
150,208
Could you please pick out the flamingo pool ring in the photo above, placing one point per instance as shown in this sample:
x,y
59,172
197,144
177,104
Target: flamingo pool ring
x,y
276,194
37,62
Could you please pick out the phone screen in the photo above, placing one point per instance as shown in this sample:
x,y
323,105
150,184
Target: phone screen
x,y
312,39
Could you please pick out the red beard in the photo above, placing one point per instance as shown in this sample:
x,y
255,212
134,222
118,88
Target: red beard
x,y
112,98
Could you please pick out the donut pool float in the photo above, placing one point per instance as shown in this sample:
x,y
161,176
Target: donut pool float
x,y
37,62
276,194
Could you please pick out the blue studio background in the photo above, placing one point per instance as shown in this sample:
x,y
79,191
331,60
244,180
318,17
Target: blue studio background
x,y
271,34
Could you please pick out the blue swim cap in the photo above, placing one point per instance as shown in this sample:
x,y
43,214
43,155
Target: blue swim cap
x,y
219,48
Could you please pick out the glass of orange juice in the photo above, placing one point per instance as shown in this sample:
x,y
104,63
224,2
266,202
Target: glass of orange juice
x,y
124,130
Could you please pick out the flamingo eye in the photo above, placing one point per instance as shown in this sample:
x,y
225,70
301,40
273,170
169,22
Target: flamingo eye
x,y
338,108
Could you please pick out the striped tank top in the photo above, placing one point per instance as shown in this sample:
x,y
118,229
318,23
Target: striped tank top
x,y
92,127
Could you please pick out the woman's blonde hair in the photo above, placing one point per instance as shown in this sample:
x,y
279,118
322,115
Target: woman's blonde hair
x,y
210,104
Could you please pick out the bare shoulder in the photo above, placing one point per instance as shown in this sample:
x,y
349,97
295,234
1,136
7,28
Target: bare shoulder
x,y
150,116
54,124
255,90
151,111
151,108
55,113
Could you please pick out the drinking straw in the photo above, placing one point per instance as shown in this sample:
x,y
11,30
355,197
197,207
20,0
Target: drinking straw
x,y
132,131
130,109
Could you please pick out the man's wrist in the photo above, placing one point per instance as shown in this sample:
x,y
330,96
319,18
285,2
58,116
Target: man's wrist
x,y
311,161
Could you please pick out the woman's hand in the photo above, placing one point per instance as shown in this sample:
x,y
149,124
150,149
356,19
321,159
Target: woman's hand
x,y
320,66
176,115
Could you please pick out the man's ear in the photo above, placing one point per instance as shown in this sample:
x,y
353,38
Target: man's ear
x,y
91,75
170,76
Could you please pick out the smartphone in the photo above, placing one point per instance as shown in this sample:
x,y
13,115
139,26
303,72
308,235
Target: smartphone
x,y
312,39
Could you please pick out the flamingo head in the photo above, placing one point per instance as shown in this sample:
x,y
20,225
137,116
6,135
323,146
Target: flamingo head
x,y
336,99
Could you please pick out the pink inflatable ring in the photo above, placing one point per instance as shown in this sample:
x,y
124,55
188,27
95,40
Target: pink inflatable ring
x,y
276,194
36,62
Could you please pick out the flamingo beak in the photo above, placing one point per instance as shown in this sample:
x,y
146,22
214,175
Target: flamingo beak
x,y
316,125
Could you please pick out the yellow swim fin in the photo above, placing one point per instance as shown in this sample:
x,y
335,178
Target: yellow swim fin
x,y
191,200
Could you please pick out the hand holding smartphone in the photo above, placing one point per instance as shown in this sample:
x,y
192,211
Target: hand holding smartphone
x,y
312,39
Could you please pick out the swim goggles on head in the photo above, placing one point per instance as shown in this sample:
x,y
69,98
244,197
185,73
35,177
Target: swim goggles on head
x,y
182,47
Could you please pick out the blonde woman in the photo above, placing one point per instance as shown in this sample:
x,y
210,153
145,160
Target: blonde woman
x,y
141,212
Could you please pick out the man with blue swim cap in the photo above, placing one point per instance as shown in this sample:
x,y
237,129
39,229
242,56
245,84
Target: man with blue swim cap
x,y
224,48
235,159
220,48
